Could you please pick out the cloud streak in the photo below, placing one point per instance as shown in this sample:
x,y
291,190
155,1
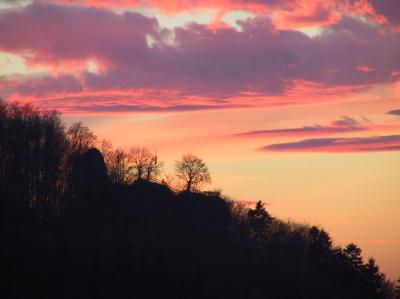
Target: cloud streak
x,y
339,145
140,108
394,112
343,125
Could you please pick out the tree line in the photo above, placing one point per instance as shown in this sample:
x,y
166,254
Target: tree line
x,y
38,156
80,219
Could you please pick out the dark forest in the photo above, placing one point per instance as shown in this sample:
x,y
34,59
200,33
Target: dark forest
x,y
81,220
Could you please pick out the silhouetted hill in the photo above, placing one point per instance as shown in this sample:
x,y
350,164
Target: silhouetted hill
x,y
69,231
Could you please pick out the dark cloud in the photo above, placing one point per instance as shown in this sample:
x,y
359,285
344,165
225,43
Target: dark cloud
x,y
52,34
353,144
394,112
342,125
345,121
390,9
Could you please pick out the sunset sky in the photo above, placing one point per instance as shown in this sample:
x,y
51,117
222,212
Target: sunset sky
x,y
293,102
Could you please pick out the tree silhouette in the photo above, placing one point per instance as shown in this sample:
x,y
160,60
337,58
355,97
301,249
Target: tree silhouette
x,y
259,220
106,148
372,275
320,245
353,254
120,168
80,138
33,150
192,171
118,163
397,289
145,165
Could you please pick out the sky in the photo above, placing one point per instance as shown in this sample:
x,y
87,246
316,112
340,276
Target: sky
x,y
292,102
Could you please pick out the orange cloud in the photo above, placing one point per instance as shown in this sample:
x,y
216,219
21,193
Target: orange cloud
x,y
307,14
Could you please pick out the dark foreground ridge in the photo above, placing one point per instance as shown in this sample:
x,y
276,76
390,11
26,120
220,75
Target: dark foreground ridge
x,y
69,230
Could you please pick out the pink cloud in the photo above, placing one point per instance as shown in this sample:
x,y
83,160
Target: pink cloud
x,y
307,13
178,6
385,11
288,13
364,68
49,34
188,62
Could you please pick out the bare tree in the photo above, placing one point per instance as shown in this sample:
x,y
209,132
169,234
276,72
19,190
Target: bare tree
x,y
119,167
32,151
106,148
117,162
124,167
192,171
145,164
80,138
153,168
